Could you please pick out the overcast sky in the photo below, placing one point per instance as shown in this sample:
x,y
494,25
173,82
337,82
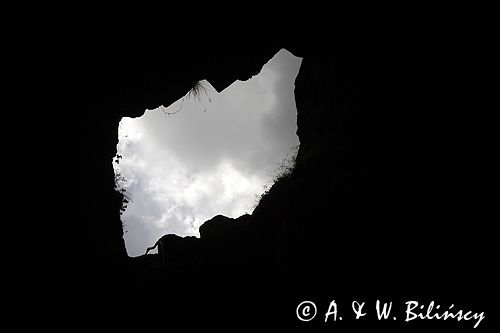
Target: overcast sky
x,y
212,157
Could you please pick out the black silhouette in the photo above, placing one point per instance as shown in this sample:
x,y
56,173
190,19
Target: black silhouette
x,y
390,196
157,244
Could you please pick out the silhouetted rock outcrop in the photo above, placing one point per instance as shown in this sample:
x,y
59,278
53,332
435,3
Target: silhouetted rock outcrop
x,y
387,196
219,228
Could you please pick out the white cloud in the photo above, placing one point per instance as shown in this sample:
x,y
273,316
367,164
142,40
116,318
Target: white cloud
x,y
213,157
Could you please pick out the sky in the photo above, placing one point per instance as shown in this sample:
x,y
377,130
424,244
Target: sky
x,y
215,154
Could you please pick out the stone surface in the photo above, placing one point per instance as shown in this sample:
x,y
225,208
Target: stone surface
x,y
389,194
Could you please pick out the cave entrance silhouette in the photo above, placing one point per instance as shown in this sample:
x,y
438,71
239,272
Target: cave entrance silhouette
x,y
207,154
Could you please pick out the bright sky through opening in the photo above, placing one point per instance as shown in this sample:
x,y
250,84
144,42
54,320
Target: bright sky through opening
x,y
214,156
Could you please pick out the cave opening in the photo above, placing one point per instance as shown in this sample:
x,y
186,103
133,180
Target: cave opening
x,y
209,153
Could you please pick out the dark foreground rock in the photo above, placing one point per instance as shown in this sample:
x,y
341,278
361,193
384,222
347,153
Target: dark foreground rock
x,y
389,197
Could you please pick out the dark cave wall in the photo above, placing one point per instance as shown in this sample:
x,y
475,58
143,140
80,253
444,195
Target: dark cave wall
x,y
389,198
381,182
380,166
394,178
